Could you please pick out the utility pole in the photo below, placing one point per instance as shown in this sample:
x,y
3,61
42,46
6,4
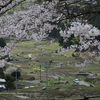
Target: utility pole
x,y
16,82
40,72
46,73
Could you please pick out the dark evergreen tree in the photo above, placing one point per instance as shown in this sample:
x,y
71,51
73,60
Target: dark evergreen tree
x,y
2,42
16,73
1,73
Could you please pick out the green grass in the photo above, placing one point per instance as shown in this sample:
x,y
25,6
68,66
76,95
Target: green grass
x,y
31,89
25,70
67,53
26,84
52,47
6,96
28,44
20,50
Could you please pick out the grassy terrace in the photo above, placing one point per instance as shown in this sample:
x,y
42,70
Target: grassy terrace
x,y
30,55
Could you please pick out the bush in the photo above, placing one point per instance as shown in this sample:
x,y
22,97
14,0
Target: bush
x,y
9,78
2,42
1,73
14,74
9,82
10,85
75,54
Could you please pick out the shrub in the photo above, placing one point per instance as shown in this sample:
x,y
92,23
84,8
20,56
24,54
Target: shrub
x,y
75,54
9,82
2,42
1,73
16,73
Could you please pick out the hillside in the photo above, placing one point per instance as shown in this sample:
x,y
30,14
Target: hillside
x,y
43,66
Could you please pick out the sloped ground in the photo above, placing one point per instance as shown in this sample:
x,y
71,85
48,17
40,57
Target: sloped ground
x,y
61,68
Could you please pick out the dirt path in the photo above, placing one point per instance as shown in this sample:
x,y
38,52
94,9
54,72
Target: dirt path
x,y
84,83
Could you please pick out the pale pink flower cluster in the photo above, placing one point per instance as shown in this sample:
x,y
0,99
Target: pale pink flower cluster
x,y
86,33
31,24
2,63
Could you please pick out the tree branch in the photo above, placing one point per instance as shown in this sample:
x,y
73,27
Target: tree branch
x,y
9,2
9,5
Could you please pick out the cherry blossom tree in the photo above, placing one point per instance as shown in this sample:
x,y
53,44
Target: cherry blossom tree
x,y
27,24
38,20
86,33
